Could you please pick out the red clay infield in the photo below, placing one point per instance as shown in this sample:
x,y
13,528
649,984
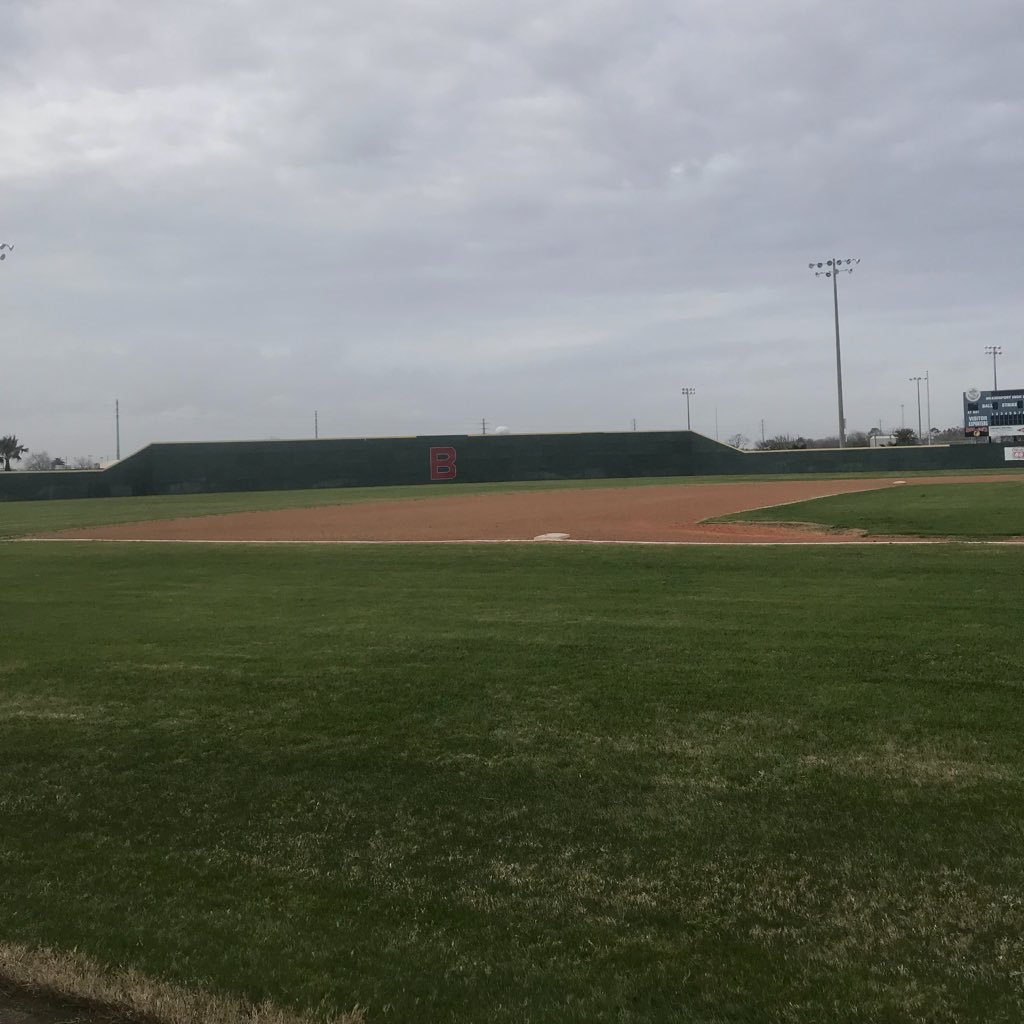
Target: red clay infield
x,y
654,513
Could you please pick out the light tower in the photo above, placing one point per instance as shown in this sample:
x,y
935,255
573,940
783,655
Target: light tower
x,y
688,392
833,268
917,380
993,351
928,407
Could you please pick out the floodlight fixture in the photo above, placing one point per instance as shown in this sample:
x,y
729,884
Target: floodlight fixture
x,y
993,351
917,380
835,268
688,392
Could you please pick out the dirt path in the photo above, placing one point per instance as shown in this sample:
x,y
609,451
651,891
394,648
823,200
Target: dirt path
x,y
24,1009
656,513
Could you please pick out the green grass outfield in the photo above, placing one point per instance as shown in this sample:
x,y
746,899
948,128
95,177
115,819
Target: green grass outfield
x,y
19,518
513,784
930,510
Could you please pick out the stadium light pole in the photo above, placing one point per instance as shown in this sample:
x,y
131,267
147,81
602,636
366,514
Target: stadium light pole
x,y
928,397
833,268
688,392
993,351
918,380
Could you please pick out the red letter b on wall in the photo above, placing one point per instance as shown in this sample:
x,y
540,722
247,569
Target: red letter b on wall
x,y
442,463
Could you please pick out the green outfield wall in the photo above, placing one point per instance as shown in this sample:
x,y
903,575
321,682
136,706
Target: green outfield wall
x,y
711,458
204,467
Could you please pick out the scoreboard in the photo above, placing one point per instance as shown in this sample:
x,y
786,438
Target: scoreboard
x,y
997,415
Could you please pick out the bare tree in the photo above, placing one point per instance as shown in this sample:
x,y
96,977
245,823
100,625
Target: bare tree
x,y
781,442
40,462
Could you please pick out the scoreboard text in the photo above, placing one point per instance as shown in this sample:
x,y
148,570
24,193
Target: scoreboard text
x,y
994,414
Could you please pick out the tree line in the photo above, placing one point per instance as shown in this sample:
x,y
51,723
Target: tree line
x,y
856,439
12,450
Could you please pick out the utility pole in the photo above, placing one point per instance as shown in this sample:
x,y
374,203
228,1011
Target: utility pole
x,y
903,418
833,268
688,392
634,424
917,380
993,351
928,395
483,427
762,431
316,425
117,427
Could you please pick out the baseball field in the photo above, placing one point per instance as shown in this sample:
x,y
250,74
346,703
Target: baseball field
x,y
760,780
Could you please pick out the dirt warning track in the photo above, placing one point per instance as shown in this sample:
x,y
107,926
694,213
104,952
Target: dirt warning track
x,y
666,513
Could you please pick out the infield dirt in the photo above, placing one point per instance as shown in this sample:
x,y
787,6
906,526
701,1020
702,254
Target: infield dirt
x,y
652,514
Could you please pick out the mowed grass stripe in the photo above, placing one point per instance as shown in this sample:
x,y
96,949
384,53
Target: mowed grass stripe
x,y
23,518
984,509
536,784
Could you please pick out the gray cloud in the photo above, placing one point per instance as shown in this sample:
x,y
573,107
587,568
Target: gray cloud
x,y
416,214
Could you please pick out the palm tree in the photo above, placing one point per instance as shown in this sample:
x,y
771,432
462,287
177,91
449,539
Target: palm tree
x,y
10,449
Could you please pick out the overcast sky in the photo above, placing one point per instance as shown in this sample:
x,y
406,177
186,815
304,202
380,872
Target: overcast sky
x,y
413,214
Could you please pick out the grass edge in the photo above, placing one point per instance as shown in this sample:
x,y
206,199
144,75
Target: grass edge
x,y
74,979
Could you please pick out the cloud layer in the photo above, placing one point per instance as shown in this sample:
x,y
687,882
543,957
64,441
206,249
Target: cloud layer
x,y
413,215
